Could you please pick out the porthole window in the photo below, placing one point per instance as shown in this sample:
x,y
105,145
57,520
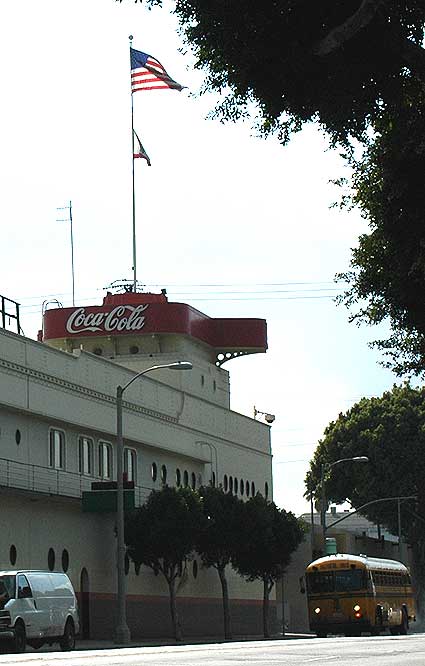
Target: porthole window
x,y
195,569
98,351
253,489
247,488
225,483
154,471
126,564
193,480
163,474
51,559
185,478
65,560
241,486
230,484
134,349
12,554
266,490
178,477
18,437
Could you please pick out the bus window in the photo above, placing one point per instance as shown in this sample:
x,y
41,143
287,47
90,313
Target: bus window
x,y
320,581
347,580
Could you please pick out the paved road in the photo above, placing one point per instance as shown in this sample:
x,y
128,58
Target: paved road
x,y
364,651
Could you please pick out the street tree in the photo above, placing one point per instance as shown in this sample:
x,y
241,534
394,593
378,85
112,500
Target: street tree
x,y
219,538
357,68
267,538
390,431
297,60
386,281
162,534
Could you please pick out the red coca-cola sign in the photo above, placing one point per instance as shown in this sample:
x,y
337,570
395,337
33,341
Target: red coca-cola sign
x,y
129,315
128,318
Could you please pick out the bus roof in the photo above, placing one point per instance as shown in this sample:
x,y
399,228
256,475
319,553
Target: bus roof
x,y
368,562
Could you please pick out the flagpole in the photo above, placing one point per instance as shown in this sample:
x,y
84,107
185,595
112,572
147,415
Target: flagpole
x,y
72,254
134,198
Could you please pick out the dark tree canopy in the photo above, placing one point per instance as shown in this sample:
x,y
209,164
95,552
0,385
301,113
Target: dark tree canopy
x,y
335,62
391,431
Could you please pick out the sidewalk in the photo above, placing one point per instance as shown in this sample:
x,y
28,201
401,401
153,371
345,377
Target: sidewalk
x,y
98,644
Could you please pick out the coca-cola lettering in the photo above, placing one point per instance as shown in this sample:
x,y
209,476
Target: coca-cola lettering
x,y
115,320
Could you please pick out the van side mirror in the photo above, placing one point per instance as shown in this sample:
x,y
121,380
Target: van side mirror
x,y
302,585
24,592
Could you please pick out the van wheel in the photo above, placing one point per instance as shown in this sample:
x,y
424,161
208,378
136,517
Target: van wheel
x,y
67,641
20,640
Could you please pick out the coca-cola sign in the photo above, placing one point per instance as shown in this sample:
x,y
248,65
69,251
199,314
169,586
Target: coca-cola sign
x,y
121,318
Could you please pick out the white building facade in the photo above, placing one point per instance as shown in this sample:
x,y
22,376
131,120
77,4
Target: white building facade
x,y
57,437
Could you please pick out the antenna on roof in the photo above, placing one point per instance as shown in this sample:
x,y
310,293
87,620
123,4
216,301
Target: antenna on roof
x,y
69,219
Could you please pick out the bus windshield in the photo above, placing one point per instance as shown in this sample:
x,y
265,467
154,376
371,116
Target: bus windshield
x,y
344,580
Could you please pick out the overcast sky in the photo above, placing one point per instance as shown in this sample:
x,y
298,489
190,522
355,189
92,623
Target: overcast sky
x,y
230,223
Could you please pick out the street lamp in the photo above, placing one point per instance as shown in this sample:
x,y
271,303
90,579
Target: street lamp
x,y
325,467
122,632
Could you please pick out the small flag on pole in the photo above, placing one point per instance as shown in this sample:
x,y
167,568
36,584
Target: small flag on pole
x,y
138,150
147,73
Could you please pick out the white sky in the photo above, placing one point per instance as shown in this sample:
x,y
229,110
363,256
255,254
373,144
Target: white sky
x,y
218,207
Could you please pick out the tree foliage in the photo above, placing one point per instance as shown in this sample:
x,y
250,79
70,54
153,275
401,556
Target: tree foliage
x,y
162,534
391,431
219,539
335,62
267,538
354,66
387,276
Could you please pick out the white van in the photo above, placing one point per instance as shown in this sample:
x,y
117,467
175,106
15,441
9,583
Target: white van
x,y
37,607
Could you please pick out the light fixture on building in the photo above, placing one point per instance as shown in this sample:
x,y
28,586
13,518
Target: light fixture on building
x,y
269,418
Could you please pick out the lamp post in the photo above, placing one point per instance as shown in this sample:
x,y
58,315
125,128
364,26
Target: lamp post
x,y
122,632
325,467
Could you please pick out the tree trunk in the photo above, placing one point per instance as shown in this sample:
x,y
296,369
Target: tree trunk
x,y
344,32
173,608
266,594
226,610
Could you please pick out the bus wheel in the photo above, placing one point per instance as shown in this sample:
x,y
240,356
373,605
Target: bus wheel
x,y
321,634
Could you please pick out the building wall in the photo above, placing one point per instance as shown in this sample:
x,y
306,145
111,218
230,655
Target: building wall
x,y
43,388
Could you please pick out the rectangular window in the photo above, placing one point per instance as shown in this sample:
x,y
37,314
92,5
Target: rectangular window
x,y
105,460
56,449
130,462
85,455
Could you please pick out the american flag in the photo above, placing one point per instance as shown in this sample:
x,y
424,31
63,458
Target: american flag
x,y
147,73
138,150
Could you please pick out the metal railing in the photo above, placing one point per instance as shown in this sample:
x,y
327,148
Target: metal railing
x,y
49,481
6,314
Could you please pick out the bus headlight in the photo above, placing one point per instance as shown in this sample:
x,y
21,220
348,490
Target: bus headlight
x,y
317,610
356,608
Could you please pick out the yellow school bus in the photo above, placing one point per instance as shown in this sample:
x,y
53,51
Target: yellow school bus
x,y
349,594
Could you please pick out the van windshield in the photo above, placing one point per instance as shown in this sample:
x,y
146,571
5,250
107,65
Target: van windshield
x,y
7,589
